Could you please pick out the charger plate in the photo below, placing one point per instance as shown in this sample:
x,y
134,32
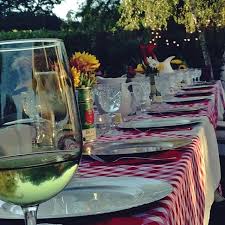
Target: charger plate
x,y
135,146
194,92
188,99
157,123
198,86
93,196
178,109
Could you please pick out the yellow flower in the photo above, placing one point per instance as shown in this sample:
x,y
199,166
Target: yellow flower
x,y
139,69
176,61
84,62
76,76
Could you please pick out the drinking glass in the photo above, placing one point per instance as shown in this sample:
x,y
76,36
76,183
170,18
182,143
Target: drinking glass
x,y
39,154
109,98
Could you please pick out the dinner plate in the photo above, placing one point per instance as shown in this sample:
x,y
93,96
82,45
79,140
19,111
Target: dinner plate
x,y
136,146
28,120
98,195
181,109
198,86
24,121
188,99
156,123
194,92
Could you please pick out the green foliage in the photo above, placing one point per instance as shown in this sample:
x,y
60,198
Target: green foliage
x,y
119,49
96,16
27,20
193,14
136,14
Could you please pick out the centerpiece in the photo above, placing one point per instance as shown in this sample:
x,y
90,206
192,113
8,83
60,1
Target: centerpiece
x,y
83,70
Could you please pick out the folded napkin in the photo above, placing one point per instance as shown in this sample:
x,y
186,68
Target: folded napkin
x,y
156,158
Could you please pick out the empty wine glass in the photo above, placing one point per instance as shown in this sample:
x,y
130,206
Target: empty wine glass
x,y
35,83
109,98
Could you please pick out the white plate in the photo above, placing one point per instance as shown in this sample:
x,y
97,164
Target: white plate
x,y
156,123
136,146
189,99
198,86
179,109
194,92
92,196
28,120
25,121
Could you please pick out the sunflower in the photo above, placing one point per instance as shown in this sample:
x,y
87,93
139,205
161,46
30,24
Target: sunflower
x,y
140,69
76,76
84,62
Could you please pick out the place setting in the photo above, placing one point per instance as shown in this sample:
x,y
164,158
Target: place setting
x,y
178,110
158,123
187,100
95,196
189,93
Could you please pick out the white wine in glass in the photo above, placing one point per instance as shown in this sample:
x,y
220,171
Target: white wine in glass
x,y
40,133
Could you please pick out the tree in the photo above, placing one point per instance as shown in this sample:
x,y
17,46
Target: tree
x,y
98,15
8,7
193,14
30,21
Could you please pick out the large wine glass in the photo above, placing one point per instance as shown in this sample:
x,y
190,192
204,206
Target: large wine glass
x,y
39,153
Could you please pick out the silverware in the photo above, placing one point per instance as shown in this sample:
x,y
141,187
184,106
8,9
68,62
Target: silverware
x,y
97,158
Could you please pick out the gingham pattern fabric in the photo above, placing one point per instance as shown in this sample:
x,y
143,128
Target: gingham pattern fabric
x,y
185,205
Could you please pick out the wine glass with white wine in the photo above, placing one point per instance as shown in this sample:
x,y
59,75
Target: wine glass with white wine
x,y
39,153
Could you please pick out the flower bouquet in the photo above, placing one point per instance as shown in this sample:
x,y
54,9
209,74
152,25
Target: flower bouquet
x,y
83,70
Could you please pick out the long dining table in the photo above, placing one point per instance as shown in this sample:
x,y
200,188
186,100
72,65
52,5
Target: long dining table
x,y
194,173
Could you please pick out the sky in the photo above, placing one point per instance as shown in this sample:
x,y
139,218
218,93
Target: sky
x,y
66,5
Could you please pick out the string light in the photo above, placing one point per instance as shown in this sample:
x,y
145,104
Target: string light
x,y
167,43
174,42
196,39
167,40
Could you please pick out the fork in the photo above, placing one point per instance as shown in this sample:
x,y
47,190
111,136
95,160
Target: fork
x,y
97,158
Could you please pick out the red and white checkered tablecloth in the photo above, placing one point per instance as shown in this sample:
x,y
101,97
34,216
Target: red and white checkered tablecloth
x,y
186,204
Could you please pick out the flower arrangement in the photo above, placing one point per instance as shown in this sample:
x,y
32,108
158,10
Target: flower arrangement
x,y
83,69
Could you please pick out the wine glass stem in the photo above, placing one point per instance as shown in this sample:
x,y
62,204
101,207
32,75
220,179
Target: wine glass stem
x,y
30,215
